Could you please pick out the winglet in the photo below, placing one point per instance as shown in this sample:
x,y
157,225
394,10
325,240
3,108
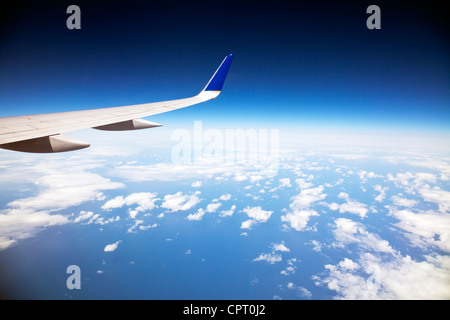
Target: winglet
x,y
216,82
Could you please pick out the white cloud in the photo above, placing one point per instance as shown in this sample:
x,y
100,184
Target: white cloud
x,y
290,269
180,202
382,190
117,202
438,196
364,175
301,291
379,271
348,264
402,202
299,217
88,217
306,197
21,224
196,216
398,278
112,247
59,190
317,245
269,258
196,184
350,206
145,202
150,226
424,229
285,182
355,207
212,207
350,232
247,224
280,247
225,197
256,214
303,184
298,220
227,213
84,215
59,185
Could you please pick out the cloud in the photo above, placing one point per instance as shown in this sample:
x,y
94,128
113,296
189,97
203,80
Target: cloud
x,y
306,197
21,224
424,229
379,271
280,247
303,184
196,184
145,202
169,171
438,196
301,291
348,264
349,232
227,213
112,247
273,257
364,175
225,197
57,185
402,202
180,202
301,210
290,269
60,190
382,190
284,183
401,278
350,206
269,258
299,219
196,216
212,207
256,214
88,217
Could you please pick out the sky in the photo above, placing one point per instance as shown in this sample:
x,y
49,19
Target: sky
x,y
343,191
304,64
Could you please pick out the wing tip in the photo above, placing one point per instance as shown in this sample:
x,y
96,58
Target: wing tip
x,y
218,79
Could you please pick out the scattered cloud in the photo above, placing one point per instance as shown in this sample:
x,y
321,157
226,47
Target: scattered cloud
x,y
145,201
269,258
180,201
256,215
58,187
196,216
382,190
112,247
349,232
424,229
399,278
350,206
196,184
225,197
228,213
301,210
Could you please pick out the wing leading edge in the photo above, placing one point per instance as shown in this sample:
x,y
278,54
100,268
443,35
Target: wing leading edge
x,y
42,133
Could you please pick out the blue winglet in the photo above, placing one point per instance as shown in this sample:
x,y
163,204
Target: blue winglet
x,y
217,80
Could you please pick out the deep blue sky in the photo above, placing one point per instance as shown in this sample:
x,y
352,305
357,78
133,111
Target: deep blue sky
x,y
302,64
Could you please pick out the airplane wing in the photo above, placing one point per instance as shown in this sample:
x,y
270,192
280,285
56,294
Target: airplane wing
x,y
42,133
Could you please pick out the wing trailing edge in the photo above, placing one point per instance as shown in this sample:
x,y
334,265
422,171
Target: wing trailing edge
x,y
42,133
